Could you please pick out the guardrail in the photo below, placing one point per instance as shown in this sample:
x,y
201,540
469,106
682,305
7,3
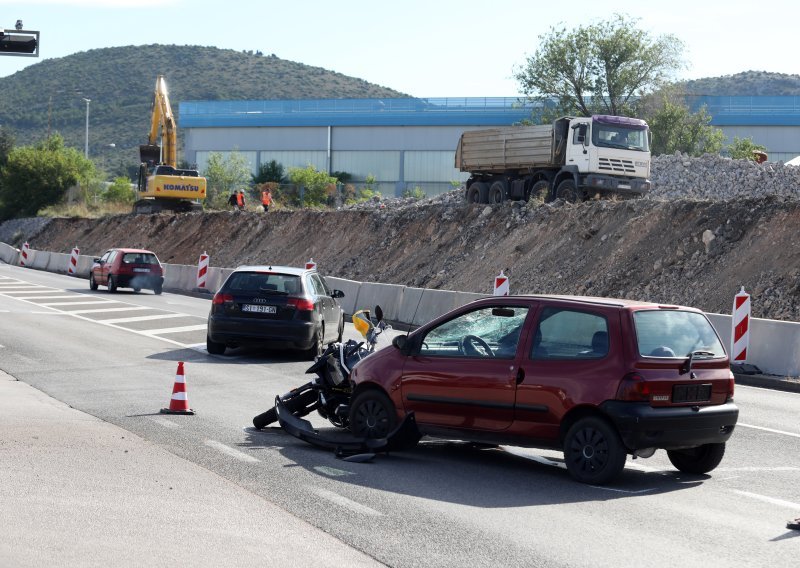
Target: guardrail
x,y
774,345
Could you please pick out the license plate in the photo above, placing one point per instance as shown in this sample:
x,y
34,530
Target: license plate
x,y
141,270
691,393
252,308
624,186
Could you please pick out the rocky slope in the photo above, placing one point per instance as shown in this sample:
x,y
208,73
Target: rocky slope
x,y
709,227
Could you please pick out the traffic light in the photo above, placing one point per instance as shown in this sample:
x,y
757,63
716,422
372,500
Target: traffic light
x,y
22,42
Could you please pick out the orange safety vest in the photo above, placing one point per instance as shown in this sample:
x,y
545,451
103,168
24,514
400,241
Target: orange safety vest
x,y
240,199
266,198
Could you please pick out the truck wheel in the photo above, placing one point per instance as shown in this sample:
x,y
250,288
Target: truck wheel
x,y
497,193
568,192
540,191
478,192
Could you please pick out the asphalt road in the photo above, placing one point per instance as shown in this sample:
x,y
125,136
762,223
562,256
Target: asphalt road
x,y
443,504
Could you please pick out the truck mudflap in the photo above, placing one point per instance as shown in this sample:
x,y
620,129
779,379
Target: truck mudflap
x,y
344,443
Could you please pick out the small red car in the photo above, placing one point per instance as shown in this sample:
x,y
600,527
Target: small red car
x,y
127,268
597,378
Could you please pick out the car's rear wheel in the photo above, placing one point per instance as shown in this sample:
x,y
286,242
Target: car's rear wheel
x,y
372,415
318,346
112,284
213,347
699,460
593,451
137,290
157,290
92,282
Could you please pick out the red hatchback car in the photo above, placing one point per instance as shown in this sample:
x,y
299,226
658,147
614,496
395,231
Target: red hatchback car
x,y
598,378
127,268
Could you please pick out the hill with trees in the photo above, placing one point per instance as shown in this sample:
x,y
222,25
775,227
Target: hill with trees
x,y
48,97
746,84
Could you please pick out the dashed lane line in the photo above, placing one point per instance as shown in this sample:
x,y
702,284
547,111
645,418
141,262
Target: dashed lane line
x,y
770,500
345,502
145,318
227,450
773,430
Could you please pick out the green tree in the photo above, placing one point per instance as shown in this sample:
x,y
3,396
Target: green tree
x,y
39,176
223,175
600,68
314,182
6,144
271,171
744,149
675,128
120,191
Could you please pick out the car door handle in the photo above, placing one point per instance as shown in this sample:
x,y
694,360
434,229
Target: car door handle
x,y
520,375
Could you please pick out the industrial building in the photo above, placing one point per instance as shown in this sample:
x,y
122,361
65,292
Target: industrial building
x,y
407,143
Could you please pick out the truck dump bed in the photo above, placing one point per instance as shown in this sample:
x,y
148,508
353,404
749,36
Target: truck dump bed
x,y
502,149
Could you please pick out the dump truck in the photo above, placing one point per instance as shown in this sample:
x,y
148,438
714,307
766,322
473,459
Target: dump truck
x,y
573,158
161,184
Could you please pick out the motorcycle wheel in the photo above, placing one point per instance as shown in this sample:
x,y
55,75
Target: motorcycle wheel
x,y
299,405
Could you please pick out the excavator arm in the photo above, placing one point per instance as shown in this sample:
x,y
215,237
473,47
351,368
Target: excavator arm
x,y
162,123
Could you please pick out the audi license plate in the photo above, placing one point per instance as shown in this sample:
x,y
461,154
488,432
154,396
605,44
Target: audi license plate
x,y
691,393
258,309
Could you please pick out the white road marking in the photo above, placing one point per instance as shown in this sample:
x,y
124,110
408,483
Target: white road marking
x,y
89,302
103,310
758,469
332,471
783,432
345,502
73,296
164,421
227,450
175,329
622,490
144,318
771,500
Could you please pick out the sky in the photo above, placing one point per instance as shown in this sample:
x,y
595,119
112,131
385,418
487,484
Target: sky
x,y
431,48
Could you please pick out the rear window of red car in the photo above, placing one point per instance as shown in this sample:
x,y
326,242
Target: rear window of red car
x,y
139,258
675,333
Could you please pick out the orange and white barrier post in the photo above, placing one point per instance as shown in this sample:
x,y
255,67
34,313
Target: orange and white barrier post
x,y
311,265
740,336
179,403
501,286
72,270
24,254
202,270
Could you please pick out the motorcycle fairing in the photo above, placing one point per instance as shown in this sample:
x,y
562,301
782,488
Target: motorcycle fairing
x,y
344,443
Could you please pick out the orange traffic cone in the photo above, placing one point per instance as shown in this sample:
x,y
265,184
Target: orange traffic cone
x,y
179,403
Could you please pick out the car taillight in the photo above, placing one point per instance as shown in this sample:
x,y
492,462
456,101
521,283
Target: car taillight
x,y
220,298
633,387
731,385
302,304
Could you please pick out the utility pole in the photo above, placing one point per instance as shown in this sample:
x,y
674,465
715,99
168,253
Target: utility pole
x,y
86,151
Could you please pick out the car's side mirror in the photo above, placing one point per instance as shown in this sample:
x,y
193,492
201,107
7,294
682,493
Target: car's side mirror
x,y
337,294
401,342
97,261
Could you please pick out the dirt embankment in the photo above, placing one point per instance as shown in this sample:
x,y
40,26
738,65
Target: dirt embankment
x,y
689,252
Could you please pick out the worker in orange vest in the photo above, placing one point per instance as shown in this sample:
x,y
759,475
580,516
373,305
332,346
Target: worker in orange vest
x,y
266,199
240,200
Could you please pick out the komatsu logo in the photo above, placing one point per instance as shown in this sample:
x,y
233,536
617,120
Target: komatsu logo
x,y
181,187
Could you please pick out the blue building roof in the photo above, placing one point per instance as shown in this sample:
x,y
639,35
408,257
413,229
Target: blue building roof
x,y
489,111
477,111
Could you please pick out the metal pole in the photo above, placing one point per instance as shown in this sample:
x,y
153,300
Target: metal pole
x,y
86,150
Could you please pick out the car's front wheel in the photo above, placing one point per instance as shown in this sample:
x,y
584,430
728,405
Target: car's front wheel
x,y
372,415
593,451
699,460
213,347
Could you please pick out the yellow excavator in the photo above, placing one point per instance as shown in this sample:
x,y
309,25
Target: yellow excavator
x,y
161,185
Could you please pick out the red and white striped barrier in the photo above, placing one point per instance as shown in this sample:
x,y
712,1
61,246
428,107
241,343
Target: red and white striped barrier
x,y
501,285
740,336
202,270
311,265
24,254
73,261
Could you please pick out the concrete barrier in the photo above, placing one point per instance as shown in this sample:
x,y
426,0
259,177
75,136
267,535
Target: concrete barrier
x,y
59,262
419,306
388,296
774,345
350,289
9,254
40,259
